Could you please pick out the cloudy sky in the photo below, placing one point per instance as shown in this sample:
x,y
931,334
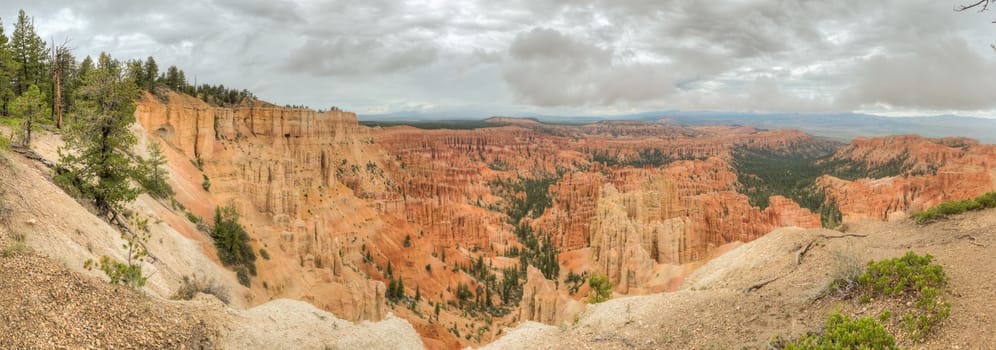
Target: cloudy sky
x,y
586,57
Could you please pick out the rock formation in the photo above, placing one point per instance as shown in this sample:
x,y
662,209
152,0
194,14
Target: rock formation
x,y
295,175
542,301
344,209
926,172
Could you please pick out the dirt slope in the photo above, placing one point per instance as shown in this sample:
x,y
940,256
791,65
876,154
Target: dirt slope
x,y
713,310
44,305
47,299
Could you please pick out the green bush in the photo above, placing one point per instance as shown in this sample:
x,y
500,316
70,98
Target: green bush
x,y
843,332
932,310
906,275
243,275
263,253
987,200
194,219
206,184
910,276
601,288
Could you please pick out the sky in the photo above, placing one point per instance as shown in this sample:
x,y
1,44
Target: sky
x,y
478,58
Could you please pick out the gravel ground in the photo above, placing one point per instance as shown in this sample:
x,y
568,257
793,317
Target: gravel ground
x,y
44,305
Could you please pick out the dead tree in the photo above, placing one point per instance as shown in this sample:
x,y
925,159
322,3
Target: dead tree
x,y
981,5
60,57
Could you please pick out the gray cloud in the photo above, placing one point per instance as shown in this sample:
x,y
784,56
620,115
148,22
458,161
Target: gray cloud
x,y
935,75
551,56
548,68
346,56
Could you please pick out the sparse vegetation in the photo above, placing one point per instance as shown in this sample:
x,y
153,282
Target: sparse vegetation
x,y
16,246
128,273
190,286
601,288
842,332
984,201
575,281
847,269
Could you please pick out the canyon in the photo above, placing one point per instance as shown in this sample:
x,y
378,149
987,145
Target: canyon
x,y
490,227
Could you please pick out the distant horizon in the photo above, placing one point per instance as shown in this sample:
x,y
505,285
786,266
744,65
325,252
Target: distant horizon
x,y
419,116
842,127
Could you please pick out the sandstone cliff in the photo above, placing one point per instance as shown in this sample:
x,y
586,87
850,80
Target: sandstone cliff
x,y
295,175
648,235
921,173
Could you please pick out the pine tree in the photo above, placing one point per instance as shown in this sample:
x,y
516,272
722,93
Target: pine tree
x,y
136,72
232,240
151,73
173,78
154,175
30,53
391,286
7,69
31,109
76,82
95,163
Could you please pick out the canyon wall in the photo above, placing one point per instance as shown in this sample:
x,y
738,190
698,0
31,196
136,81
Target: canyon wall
x,y
295,176
652,229
923,173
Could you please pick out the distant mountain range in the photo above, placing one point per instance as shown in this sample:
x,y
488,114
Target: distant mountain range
x,y
840,126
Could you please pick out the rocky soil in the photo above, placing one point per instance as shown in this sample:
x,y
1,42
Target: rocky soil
x,y
44,305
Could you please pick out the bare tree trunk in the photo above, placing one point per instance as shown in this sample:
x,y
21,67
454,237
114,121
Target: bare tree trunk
x,y
59,53
57,106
